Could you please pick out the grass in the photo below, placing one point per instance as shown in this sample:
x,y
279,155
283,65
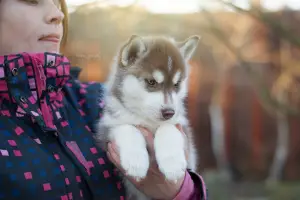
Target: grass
x,y
221,188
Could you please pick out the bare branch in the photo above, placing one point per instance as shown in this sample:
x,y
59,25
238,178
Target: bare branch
x,y
278,28
268,101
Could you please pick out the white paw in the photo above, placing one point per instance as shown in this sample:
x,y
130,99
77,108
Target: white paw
x,y
169,152
131,144
172,165
135,161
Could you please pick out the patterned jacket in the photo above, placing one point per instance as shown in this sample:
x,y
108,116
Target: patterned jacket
x,y
47,121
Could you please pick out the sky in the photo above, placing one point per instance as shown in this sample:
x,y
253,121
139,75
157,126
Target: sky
x,y
186,6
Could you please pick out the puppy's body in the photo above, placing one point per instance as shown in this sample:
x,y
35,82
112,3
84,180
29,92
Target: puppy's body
x,y
147,87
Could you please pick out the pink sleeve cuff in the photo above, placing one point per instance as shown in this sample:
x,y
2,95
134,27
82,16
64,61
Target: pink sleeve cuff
x,y
187,188
193,188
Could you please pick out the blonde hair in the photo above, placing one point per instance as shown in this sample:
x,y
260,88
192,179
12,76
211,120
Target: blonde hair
x,y
64,9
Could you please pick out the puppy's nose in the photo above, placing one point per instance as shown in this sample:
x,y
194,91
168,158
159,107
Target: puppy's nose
x,y
167,113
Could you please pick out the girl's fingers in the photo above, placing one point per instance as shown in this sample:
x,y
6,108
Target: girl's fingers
x,y
113,155
179,127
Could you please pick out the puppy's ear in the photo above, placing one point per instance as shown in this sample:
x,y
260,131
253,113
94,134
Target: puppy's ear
x,y
132,50
188,46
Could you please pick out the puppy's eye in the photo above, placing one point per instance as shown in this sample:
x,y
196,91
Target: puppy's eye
x,y
151,82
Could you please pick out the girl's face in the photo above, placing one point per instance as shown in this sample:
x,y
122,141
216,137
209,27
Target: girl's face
x,y
30,26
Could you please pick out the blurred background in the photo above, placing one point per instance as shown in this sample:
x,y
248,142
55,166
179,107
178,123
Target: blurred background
x,y
244,95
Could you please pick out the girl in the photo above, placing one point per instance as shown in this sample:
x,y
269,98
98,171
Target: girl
x,y
47,118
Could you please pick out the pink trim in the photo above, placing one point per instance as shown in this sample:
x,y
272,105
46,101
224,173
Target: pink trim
x,y
76,151
41,82
187,188
35,65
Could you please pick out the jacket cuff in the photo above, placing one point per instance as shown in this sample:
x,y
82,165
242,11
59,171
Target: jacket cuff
x,y
187,188
193,187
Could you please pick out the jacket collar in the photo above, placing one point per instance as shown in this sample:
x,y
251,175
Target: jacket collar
x,y
30,85
41,72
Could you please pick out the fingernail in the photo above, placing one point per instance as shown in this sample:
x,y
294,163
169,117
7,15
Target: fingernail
x,y
179,127
142,128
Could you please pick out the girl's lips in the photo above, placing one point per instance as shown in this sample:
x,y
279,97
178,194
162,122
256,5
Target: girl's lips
x,y
50,38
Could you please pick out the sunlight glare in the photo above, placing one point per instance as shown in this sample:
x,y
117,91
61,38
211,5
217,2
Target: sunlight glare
x,y
187,6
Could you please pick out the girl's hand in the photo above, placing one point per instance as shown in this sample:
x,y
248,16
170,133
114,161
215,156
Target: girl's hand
x,y
154,185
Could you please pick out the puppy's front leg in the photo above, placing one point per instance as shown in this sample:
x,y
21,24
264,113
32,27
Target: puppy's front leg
x,y
133,153
169,151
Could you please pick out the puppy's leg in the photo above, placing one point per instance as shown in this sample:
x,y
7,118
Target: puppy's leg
x,y
192,161
169,144
132,150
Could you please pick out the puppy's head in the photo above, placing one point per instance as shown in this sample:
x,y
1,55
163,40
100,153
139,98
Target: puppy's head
x,y
154,73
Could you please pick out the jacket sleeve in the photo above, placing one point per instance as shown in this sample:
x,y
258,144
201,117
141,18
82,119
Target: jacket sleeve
x,y
193,188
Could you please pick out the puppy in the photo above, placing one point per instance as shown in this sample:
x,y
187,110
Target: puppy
x,y
147,86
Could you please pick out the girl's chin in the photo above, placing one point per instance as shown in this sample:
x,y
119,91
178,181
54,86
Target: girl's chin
x,y
49,47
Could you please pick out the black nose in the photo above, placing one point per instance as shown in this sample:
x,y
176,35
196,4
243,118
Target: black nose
x,y
167,113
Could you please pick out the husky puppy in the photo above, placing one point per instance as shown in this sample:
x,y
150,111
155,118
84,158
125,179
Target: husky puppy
x,y
147,86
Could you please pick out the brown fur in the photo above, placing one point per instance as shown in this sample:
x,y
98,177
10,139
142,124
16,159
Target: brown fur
x,y
143,62
156,56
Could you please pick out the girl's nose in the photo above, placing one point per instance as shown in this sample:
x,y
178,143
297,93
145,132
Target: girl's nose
x,y
55,16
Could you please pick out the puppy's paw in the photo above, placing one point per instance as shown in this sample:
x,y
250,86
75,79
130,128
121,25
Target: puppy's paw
x,y
135,161
173,166
169,152
133,153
